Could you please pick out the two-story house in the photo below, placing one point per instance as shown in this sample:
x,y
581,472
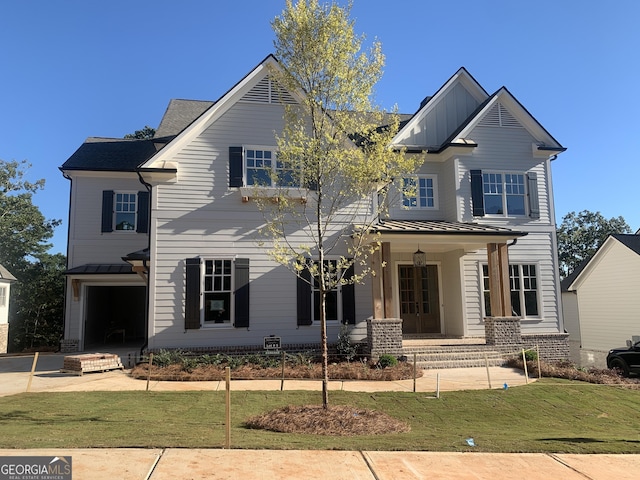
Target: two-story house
x,y
163,246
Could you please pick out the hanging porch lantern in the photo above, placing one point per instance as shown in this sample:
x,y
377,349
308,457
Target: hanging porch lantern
x,y
419,258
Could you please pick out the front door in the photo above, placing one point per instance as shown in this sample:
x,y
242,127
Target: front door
x,y
419,299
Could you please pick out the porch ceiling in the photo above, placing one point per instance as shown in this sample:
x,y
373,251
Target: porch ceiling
x,y
442,236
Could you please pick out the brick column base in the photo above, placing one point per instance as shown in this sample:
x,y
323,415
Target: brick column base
x,y
384,336
502,330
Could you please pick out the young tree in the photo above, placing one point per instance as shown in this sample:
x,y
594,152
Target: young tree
x,y
581,234
335,144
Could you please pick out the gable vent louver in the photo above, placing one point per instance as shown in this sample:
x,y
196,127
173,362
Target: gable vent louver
x,y
268,91
499,116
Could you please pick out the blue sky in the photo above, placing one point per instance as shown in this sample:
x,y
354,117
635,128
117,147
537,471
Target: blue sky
x,y
74,69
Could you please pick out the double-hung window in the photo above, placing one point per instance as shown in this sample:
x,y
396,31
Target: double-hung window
x,y
218,281
420,192
523,281
3,296
263,168
125,208
504,193
333,298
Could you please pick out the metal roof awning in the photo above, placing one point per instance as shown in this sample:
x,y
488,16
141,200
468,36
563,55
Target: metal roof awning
x,y
440,235
101,269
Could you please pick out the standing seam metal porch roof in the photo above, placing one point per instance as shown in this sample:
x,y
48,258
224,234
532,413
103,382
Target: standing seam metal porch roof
x,y
442,227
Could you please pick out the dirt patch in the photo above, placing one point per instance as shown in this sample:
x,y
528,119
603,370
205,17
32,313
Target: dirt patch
x,y
339,420
337,371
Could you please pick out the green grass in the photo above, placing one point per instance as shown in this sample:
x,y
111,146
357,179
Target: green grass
x,y
546,416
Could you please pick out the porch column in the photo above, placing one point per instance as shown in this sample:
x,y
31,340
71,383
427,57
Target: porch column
x,y
387,289
376,285
499,287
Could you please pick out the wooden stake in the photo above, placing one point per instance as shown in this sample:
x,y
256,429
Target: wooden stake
x,y
33,369
282,380
486,362
414,372
149,370
437,385
539,370
524,362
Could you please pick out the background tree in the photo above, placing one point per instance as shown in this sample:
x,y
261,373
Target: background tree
x,y
333,144
37,294
146,133
581,234
39,306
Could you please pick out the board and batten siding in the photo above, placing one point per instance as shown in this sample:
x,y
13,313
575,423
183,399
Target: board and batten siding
x,y
87,243
535,248
450,112
200,216
608,300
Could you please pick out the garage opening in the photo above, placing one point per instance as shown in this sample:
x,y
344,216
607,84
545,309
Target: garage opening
x,y
114,316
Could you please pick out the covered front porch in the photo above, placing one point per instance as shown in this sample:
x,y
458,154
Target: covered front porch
x,y
422,277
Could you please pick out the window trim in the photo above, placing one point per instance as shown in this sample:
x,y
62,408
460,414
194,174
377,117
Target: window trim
x,y
203,274
521,291
524,195
272,174
417,178
3,296
115,211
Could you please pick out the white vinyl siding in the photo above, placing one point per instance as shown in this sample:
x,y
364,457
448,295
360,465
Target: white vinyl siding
x,y
608,299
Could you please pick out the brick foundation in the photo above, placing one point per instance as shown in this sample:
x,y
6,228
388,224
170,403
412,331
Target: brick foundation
x,y
4,337
553,346
69,345
384,336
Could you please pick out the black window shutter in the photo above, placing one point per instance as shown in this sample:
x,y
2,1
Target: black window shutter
x,y
477,194
349,299
235,166
241,293
534,202
107,211
143,212
192,294
303,294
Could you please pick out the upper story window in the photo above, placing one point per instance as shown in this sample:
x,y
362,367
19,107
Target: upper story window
x,y
333,299
3,296
124,211
506,194
523,281
263,168
420,192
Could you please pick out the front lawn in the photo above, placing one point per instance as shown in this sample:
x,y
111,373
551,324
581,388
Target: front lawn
x,y
546,416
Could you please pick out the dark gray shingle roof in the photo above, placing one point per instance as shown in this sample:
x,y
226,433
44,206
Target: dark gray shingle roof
x,y
180,114
113,154
6,275
100,268
629,240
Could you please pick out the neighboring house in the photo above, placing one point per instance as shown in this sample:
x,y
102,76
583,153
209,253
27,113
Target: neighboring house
x,y
6,279
600,300
175,212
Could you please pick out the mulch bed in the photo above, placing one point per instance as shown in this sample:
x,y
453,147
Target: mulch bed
x,y
337,371
339,420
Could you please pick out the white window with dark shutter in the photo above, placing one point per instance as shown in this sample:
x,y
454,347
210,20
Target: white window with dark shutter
x,y
216,292
125,211
504,194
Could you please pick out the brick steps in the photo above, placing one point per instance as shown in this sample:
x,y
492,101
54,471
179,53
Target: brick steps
x,y
459,356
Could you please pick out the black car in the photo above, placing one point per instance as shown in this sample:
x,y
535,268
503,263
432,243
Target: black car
x,y
626,359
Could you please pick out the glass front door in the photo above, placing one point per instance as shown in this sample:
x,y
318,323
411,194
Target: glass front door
x,y
419,299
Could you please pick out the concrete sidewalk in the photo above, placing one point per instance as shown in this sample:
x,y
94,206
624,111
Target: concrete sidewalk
x,y
201,464
15,373
196,464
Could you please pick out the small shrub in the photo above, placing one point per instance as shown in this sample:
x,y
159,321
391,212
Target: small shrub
x,y
530,355
345,348
164,358
387,360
